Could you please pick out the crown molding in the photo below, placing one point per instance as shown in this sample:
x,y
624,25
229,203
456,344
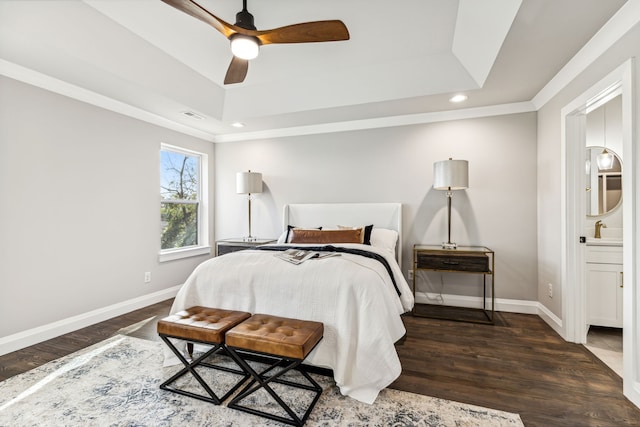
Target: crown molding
x,y
381,122
35,78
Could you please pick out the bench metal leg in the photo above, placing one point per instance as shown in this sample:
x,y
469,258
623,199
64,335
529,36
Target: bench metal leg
x,y
263,380
189,367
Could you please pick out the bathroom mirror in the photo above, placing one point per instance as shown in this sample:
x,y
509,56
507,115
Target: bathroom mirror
x,y
604,187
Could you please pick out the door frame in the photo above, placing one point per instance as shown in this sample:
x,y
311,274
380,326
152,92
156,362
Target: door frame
x,y
573,128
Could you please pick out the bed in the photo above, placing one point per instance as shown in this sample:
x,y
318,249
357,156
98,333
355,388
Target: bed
x,y
358,298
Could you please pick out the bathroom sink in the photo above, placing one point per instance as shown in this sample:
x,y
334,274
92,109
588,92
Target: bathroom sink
x,y
604,241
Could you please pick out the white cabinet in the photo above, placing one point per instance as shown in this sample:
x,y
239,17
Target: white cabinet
x,y
604,286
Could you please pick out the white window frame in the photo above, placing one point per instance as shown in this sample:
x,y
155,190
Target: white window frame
x,y
203,247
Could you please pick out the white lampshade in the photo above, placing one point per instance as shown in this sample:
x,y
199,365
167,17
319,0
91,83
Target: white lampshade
x,y
248,182
605,160
451,175
244,47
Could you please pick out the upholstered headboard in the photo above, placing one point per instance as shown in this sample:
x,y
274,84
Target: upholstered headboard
x,y
330,215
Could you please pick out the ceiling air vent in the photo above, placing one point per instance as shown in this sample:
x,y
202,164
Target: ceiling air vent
x,y
193,115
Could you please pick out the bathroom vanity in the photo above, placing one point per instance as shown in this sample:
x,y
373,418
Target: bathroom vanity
x,y
605,281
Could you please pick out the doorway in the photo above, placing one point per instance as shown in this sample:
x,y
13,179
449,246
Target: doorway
x,y
604,229
574,304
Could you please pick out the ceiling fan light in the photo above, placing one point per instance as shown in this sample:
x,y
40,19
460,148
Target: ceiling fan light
x,y
605,160
244,47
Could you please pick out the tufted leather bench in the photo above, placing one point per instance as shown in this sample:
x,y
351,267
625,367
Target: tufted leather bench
x,y
286,342
206,326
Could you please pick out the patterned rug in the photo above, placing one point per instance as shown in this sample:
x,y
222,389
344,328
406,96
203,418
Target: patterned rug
x,y
115,383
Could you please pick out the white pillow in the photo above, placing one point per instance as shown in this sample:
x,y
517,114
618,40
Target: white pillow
x,y
282,237
385,239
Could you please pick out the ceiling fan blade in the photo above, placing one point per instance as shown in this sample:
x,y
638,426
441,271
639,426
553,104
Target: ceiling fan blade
x,y
306,32
192,8
237,71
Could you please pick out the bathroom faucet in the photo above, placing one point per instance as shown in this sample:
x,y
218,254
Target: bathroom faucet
x,y
599,226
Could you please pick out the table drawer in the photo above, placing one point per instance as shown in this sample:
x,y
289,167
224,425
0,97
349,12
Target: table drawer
x,y
477,263
226,249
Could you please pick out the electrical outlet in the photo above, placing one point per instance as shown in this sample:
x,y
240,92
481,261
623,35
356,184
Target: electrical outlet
x,y
147,277
410,275
550,290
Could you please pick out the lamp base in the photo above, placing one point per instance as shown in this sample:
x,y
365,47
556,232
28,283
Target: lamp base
x,y
249,238
449,245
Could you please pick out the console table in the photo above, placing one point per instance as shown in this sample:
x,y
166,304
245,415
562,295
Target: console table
x,y
464,259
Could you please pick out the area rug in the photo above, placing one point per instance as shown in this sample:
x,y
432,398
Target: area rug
x,y
116,383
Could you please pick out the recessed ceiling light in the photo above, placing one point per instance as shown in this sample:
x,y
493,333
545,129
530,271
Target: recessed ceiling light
x,y
237,125
458,98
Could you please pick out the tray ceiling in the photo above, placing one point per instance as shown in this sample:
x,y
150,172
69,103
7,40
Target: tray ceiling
x,y
402,58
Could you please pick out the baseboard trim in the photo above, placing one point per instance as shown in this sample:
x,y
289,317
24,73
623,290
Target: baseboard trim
x,y
39,334
552,320
42,333
502,304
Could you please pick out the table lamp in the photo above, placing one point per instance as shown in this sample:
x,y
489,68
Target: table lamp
x,y
249,183
450,175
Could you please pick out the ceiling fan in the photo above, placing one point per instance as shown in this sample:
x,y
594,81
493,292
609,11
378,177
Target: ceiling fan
x,y
245,38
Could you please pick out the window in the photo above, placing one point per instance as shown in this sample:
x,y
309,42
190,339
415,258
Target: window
x,y
183,203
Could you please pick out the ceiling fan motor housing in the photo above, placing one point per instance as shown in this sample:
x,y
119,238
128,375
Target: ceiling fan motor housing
x,y
245,20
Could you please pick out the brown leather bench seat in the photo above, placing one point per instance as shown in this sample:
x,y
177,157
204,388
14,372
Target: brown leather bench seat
x,y
278,336
202,324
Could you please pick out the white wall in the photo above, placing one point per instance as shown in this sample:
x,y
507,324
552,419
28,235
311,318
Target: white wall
x,y
596,126
396,165
549,162
79,220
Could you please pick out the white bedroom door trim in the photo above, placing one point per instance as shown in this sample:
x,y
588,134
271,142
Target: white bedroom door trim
x,y
572,146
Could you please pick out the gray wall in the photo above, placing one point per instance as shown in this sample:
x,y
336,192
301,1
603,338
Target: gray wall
x,y
79,221
396,165
80,197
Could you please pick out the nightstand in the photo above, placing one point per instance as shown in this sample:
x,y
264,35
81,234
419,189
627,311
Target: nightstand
x,y
464,259
226,246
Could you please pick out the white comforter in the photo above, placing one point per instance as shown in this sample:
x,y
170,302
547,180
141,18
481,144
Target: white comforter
x,y
352,295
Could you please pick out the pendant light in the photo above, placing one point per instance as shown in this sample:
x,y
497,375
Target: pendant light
x,y
605,159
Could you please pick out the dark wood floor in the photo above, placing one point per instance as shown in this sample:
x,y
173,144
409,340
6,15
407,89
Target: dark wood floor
x,y
522,366
31,357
